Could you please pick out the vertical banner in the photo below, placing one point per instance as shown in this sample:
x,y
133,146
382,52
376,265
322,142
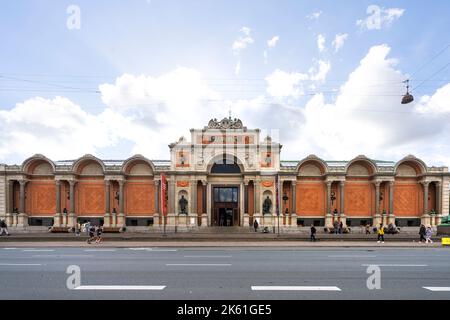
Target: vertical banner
x,y
277,194
164,194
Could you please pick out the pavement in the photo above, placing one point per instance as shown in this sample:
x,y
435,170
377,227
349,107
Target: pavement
x,y
224,272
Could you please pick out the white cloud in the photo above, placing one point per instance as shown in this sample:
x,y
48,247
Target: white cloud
x,y
314,15
321,42
149,112
237,68
270,44
284,84
273,42
320,73
379,18
339,40
243,40
55,127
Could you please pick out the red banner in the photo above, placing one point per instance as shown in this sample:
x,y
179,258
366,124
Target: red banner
x,y
164,196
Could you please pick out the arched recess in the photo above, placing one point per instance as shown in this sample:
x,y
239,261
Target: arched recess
x,y
359,192
408,192
90,188
40,189
225,164
310,187
140,189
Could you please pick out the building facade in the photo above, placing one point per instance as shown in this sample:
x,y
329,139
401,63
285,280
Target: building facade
x,y
226,175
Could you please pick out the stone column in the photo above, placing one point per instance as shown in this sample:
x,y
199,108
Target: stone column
x,y
246,215
328,215
241,205
391,202
193,196
157,214
425,215
121,222
171,214
257,201
377,218
57,219
71,221
293,213
341,203
10,208
204,221
107,219
208,203
22,218
438,203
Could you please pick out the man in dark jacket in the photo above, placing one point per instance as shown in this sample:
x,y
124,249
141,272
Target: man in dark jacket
x,y
3,228
255,225
422,232
313,233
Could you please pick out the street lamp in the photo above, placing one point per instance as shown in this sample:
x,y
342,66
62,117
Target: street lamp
x,y
407,98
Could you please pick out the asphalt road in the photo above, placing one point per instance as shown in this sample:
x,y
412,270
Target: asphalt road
x,y
223,273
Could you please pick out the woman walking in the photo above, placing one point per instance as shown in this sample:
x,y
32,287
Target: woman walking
x,y
428,235
381,234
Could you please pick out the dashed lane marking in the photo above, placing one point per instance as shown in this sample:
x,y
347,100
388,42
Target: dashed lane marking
x,y
115,287
295,288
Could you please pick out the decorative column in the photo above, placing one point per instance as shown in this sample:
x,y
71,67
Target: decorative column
x,y
107,219
72,217
241,205
57,219
193,196
438,203
204,221
121,216
425,216
391,202
293,213
257,200
10,209
22,219
341,203
377,217
157,214
328,215
246,216
171,214
208,203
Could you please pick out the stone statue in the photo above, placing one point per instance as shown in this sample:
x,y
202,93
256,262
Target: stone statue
x,y
267,205
182,203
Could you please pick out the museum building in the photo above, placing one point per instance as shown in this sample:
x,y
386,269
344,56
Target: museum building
x,y
226,175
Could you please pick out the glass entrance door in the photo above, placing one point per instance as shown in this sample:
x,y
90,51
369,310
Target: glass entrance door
x,y
225,206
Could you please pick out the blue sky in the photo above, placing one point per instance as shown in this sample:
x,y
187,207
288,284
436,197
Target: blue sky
x,y
155,38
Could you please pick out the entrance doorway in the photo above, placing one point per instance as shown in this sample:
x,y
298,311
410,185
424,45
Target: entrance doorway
x,y
225,209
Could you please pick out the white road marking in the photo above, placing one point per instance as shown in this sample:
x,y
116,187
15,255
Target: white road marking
x,y
38,250
295,288
62,256
352,256
114,287
20,264
199,264
154,250
9,248
437,288
395,265
100,250
207,256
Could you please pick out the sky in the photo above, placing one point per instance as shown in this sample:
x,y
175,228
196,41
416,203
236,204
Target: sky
x,y
117,78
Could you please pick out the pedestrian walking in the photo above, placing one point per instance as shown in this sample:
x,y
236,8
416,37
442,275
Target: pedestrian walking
x,y
91,234
313,233
336,227
422,233
3,228
341,227
87,225
255,225
367,228
99,232
381,234
78,229
428,234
